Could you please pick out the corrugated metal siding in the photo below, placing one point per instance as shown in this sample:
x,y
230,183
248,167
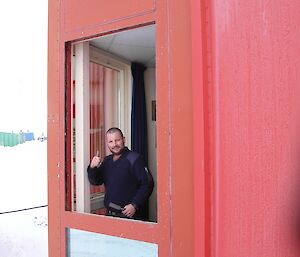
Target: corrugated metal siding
x,y
11,139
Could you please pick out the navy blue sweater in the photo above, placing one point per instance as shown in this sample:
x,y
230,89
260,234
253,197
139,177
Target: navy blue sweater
x,y
127,180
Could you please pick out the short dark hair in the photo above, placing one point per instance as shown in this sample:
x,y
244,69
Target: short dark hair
x,y
114,130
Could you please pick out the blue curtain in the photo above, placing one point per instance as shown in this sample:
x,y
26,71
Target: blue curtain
x,y
139,136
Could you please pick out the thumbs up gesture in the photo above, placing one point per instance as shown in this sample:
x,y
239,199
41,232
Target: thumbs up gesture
x,y
96,161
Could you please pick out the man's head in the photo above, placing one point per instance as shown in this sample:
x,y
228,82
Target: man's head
x,y
115,140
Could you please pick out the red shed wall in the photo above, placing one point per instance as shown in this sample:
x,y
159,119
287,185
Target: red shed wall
x,y
250,74
252,95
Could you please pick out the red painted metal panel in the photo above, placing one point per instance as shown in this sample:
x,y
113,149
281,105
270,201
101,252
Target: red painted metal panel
x,y
52,130
81,14
181,122
256,64
199,79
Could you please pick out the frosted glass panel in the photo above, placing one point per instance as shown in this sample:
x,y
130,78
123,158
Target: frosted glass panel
x,y
87,244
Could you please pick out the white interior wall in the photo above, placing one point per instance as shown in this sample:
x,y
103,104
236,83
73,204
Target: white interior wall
x,y
150,93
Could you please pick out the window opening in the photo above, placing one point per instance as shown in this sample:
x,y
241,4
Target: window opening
x,y
101,97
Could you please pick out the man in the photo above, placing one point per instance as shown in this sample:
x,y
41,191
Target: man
x,y
128,183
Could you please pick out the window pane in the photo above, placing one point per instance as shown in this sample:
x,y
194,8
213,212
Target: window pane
x,y
87,244
102,115
103,85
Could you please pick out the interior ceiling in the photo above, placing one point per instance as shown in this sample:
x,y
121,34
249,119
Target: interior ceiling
x,y
135,45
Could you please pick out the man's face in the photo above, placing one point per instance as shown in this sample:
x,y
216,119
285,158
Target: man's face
x,y
115,142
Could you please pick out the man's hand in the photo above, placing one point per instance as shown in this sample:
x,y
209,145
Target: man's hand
x,y
129,210
96,161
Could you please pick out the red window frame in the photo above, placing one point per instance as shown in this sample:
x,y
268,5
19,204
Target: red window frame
x,y
175,231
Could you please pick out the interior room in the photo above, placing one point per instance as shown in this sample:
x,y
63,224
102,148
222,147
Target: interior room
x,y
107,60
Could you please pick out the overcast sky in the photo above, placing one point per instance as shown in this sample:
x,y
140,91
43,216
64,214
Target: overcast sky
x,y
23,65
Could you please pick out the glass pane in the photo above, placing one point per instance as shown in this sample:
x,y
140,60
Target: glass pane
x,y
103,82
102,115
87,244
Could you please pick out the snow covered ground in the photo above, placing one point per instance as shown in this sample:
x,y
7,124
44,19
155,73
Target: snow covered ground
x,y
23,184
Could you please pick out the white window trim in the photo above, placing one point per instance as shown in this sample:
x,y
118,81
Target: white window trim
x,y
82,127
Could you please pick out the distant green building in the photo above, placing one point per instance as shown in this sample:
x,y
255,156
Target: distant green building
x,y
13,139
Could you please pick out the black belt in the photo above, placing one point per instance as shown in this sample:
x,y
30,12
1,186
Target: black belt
x,y
113,213
116,214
